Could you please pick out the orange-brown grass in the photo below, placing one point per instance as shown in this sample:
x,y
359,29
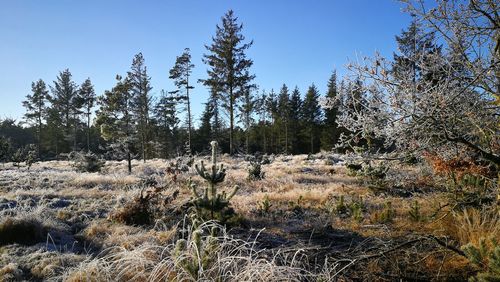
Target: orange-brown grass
x,y
472,225
457,166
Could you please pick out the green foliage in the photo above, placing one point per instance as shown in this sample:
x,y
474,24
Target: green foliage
x,y
18,157
255,169
486,257
331,132
311,113
340,207
265,206
386,215
197,252
86,162
352,207
211,205
415,213
180,74
31,155
470,190
229,67
4,148
353,168
375,173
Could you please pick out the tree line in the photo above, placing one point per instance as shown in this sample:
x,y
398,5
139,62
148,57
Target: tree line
x,y
432,96
128,122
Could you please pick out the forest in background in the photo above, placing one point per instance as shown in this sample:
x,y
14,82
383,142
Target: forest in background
x,y
445,66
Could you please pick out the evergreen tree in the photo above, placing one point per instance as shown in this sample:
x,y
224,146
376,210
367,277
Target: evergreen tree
x,y
115,117
261,107
331,132
65,103
272,111
311,112
180,74
228,72
36,109
165,115
140,87
414,45
295,121
283,109
247,109
205,131
87,98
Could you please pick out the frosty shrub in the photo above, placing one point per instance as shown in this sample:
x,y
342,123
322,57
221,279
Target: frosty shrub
x,y
430,97
86,162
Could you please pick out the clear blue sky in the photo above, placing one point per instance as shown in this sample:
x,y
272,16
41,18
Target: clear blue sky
x,y
295,42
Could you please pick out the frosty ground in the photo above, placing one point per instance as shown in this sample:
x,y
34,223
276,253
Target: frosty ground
x,y
309,219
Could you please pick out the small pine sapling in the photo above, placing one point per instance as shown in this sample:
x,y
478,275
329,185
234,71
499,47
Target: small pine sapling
x,y
31,153
415,213
197,252
265,205
212,205
18,157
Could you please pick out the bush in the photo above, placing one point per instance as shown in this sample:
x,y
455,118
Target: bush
x,y
21,231
144,208
255,169
486,257
86,162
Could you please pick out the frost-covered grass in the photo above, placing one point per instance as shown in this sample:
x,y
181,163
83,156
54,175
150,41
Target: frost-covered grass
x,y
307,220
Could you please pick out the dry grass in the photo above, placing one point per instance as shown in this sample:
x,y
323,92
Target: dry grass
x,y
306,235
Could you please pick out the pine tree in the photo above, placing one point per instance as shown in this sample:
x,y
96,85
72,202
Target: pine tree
x,y
312,115
414,45
115,117
36,109
64,102
205,130
283,109
165,115
87,97
140,87
331,132
228,72
272,112
295,121
261,107
247,109
180,74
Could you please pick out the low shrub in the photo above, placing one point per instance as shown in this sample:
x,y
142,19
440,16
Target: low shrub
x,y
86,162
21,231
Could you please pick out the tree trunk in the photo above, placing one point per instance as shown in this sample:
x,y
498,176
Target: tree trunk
x,y
88,131
74,133
312,141
231,120
129,161
189,114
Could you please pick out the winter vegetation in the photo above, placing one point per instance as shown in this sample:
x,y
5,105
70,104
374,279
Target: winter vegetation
x,y
391,175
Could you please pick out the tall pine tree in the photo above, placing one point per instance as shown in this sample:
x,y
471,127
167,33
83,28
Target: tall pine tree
x,y
66,105
140,87
295,121
36,109
87,97
228,72
283,109
311,113
115,118
166,119
180,73
331,132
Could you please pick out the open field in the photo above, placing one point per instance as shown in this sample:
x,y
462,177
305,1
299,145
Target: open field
x,y
307,220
